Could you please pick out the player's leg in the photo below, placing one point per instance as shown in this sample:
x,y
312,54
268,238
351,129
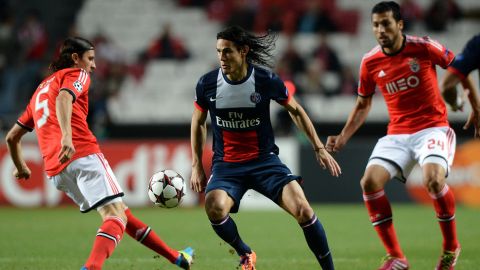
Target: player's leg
x,y
146,236
100,190
294,202
105,197
444,204
391,158
435,154
108,235
377,174
217,206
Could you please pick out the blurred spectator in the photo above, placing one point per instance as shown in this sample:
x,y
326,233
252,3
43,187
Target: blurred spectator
x,y
243,14
219,10
109,76
194,3
167,46
440,13
348,81
310,82
273,18
411,13
290,63
8,59
327,55
32,48
277,16
323,75
316,17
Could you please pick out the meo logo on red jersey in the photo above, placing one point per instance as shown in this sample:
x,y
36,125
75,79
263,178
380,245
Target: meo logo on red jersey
x,y
402,84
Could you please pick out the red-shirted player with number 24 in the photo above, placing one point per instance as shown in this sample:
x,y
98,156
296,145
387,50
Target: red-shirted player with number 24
x,y
403,69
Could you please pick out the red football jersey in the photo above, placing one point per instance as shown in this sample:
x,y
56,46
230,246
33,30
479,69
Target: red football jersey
x,y
40,115
408,82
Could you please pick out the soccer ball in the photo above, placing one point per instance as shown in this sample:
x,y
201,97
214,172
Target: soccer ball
x,y
166,188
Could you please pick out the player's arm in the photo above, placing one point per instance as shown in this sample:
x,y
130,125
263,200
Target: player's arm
x,y
474,117
198,137
13,140
64,115
355,120
303,122
449,91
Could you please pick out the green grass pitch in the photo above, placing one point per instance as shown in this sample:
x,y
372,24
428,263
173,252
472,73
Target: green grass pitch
x,y
61,238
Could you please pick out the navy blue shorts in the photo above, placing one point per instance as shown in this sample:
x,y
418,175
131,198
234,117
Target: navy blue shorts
x,y
266,175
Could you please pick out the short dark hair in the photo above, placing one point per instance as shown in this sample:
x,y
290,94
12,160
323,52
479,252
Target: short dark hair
x,y
261,47
386,6
69,46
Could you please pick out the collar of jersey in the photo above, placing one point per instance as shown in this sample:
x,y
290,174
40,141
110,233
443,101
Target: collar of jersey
x,y
249,72
401,48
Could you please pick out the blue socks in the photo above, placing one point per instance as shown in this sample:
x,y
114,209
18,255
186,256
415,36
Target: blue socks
x,y
317,242
312,229
227,230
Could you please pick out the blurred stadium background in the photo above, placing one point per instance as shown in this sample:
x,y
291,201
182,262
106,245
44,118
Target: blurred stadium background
x,y
143,89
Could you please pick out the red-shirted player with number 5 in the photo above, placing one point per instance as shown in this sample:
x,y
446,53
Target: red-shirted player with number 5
x,y
403,69
73,161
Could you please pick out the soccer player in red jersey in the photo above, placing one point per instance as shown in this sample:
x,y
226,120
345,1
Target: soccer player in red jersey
x,y
237,96
402,67
73,161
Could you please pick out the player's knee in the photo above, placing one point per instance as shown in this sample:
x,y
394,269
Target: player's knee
x,y
434,182
113,209
369,184
303,212
216,209
433,177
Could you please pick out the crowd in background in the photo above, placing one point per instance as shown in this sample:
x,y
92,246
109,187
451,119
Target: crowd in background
x,y
26,48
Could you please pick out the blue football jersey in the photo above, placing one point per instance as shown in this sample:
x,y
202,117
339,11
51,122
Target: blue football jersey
x,y
469,59
240,112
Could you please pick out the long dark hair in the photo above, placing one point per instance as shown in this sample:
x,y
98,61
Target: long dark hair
x,y
386,6
70,45
261,47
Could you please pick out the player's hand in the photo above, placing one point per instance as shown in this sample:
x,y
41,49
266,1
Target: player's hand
x,y
473,119
460,101
67,151
456,100
23,173
198,181
328,162
335,143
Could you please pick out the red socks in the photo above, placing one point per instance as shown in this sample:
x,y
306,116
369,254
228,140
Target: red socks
x,y
380,214
444,203
108,236
143,234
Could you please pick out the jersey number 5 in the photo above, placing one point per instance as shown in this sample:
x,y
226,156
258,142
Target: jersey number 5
x,y
42,105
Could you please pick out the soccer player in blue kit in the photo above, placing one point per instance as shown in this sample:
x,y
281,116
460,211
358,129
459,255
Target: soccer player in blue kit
x,y
465,62
238,95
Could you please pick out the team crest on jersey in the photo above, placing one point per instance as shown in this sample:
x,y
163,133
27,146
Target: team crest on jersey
x,y
414,65
78,85
255,97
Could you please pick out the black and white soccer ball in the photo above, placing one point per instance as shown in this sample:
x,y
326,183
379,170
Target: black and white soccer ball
x,y
166,188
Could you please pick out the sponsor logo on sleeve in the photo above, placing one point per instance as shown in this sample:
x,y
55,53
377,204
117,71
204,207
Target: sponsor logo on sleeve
x,y
78,86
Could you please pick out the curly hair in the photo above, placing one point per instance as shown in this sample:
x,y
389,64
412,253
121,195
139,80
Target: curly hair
x,y
70,45
261,47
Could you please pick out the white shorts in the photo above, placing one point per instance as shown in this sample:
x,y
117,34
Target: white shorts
x,y
398,154
89,182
